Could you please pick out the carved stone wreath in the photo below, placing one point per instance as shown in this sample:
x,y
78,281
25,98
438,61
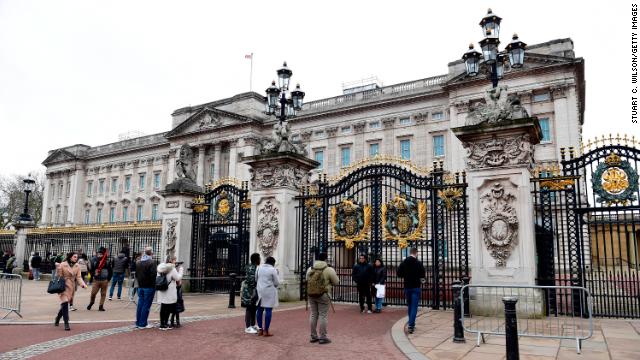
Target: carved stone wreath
x,y
268,228
499,223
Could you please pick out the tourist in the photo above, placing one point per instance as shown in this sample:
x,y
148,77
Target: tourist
x,y
11,263
179,304
249,296
168,298
412,271
3,260
146,280
379,279
36,263
70,271
120,265
84,265
320,278
101,273
363,274
267,286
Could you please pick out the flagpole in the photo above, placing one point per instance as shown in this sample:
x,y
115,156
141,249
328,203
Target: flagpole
x,y
251,75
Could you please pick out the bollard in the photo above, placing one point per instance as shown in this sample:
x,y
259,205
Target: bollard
x,y
511,327
458,331
465,297
232,291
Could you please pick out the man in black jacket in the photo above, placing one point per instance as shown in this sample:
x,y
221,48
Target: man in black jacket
x,y
101,273
146,279
363,276
412,271
36,263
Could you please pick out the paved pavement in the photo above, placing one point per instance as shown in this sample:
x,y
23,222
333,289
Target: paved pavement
x,y
612,339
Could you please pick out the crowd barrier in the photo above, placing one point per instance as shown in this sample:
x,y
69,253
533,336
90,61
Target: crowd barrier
x,y
10,294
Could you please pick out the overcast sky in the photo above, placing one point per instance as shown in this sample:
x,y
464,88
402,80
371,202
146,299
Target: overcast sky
x,y
85,71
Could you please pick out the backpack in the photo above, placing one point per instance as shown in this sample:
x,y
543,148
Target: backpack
x,y
317,284
161,283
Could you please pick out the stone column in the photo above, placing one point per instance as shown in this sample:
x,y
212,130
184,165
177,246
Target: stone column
x,y
217,161
44,219
20,243
201,153
233,158
274,185
502,234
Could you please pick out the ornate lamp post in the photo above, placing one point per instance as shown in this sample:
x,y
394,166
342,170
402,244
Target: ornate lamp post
x,y
493,58
29,186
277,102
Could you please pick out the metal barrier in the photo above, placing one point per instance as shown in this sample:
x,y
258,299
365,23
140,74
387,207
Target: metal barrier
x,y
10,294
560,312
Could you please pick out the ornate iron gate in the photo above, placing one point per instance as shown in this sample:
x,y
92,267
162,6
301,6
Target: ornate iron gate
x,y
220,238
382,210
588,226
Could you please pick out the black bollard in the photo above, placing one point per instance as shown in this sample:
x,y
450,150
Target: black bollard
x,y
465,297
458,330
232,291
511,327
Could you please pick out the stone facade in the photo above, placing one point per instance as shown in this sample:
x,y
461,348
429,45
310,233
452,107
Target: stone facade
x,y
87,184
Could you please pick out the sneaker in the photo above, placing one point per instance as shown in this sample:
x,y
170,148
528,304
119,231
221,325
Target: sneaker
x,y
119,298
72,308
250,330
314,340
163,328
411,330
368,311
324,341
361,311
110,298
256,328
149,326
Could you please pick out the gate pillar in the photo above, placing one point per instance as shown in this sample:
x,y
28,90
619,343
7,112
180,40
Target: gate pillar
x,y
499,157
275,182
177,219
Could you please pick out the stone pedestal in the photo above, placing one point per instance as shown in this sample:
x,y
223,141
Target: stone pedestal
x,y
275,182
502,235
20,243
177,220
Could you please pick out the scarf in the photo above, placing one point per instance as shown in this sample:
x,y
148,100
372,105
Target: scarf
x,y
103,262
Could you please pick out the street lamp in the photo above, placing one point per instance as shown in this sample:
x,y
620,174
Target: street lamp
x,y
493,58
277,102
29,186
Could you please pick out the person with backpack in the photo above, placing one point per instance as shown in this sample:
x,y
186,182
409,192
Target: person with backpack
x,y
249,295
101,273
363,275
168,276
145,275
320,278
36,263
379,279
11,263
413,273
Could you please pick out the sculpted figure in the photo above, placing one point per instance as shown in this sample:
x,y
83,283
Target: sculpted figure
x,y
184,163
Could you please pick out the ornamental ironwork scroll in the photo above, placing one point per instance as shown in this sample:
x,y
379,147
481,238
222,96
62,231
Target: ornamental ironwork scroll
x,y
403,220
499,223
450,196
350,222
615,182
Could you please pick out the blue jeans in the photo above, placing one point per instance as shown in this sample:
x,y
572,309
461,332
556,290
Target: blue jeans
x,y
379,303
145,300
117,278
36,273
267,317
413,300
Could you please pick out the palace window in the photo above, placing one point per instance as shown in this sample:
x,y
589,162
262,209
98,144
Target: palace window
x,y
52,188
89,188
374,149
61,190
125,213
438,145
101,186
345,130
318,133
114,185
405,149
405,120
68,188
318,155
139,213
99,216
374,124
87,213
345,156
437,116
112,214
546,130
541,97
141,181
154,212
127,183
212,171
156,180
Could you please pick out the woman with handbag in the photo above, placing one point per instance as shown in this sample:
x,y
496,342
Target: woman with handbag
x,y
69,270
249,295
267,286
379,280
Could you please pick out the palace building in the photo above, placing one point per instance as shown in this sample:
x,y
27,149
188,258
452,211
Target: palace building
x,y
120,182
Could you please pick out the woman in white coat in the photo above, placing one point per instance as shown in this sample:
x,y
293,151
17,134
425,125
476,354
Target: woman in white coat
x,y
168,298
267,287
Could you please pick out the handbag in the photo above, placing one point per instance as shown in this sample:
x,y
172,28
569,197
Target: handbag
x,y
379,291
56,285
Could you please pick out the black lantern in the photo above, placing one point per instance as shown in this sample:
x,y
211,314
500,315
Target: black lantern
x,y
515,49
489,47
284,75
297,96
471,60
272,97
491,25
500,66
29,186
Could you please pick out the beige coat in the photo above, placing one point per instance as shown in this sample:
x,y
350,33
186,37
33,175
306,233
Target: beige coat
x,y
71,278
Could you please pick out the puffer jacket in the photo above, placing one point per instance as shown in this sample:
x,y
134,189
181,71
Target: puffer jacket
x,y
107,270
121,263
